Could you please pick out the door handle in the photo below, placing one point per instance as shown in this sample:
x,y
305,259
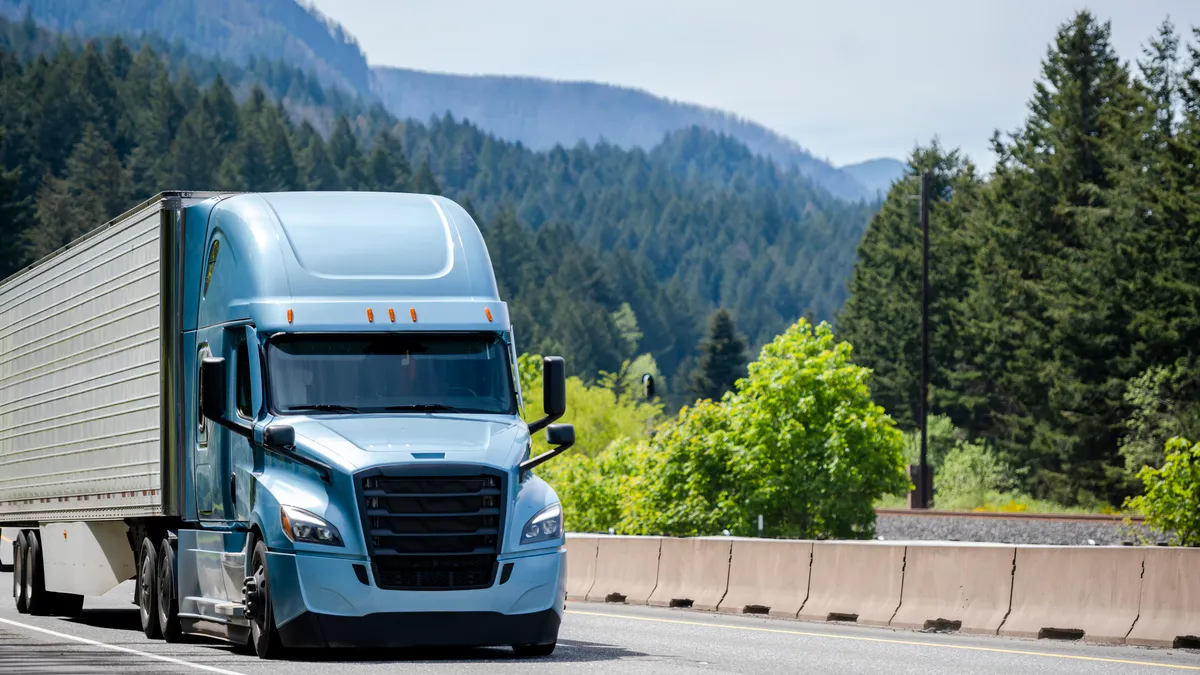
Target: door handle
x,y
233,488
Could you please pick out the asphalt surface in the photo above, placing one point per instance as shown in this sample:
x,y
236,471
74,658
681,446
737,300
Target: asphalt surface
x,y
613,638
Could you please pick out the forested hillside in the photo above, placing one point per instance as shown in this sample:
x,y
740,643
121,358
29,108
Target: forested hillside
x,y
1065,287
603,253
539,113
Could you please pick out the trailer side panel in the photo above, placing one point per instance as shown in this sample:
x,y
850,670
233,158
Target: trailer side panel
x,y
80,352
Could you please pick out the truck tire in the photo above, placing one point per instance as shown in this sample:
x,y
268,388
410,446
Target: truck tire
x,y
264,634
37,601
147,599
19,580
526,651
168,594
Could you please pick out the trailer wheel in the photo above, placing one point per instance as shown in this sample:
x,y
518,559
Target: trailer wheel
x,y
168,596
19,581
147,590
37,601
526,651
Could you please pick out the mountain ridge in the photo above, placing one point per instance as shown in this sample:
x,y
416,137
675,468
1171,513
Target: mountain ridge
x,y
299,33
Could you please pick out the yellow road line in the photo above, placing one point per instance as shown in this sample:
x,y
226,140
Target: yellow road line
x,y
917,643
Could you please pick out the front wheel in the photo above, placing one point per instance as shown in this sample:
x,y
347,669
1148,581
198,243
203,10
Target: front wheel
x,y
526,651
264,634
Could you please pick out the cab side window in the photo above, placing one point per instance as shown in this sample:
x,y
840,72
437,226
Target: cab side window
x,y
244,406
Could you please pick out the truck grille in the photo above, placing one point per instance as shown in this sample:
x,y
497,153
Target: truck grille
x,y
433,532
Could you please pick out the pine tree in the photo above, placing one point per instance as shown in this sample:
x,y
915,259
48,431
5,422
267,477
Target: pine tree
x,y
94,189
14,213
424,182
722,360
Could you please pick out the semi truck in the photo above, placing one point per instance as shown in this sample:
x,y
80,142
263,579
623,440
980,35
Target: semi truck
x,y
293,420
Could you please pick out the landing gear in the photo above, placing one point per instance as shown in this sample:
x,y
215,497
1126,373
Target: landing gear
x,y
256,592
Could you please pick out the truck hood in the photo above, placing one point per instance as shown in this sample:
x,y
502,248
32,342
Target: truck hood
x,y
359,442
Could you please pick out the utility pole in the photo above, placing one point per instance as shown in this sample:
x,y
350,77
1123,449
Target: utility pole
x,y
925,486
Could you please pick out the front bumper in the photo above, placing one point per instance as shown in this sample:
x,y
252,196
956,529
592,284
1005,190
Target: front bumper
x,y
320,601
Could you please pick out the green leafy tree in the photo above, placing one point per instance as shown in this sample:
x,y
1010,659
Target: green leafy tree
x,y
722,358
1171,503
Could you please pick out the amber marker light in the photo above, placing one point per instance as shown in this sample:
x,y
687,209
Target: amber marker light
x,y
370,315
289,316
487,311
412,311
392,314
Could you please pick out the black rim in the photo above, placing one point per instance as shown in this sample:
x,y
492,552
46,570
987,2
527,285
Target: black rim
x,y
147,593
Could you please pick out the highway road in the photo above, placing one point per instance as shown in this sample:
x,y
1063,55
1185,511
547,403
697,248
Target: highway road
x,y
614,639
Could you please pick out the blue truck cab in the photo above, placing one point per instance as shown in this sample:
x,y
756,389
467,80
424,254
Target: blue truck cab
x,y
354,467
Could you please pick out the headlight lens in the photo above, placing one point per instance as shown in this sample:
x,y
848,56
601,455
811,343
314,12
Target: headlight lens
x,y
545,526
301,526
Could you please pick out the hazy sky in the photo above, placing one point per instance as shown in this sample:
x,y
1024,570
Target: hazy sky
x,y
849,80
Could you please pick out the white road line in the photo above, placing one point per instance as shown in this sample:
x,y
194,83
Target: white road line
x,y
157,657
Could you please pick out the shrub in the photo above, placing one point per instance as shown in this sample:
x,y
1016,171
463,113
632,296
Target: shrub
x,y
799,442
1171,503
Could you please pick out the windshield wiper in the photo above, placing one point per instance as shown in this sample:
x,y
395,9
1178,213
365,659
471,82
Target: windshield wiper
x,y
421,407
322,407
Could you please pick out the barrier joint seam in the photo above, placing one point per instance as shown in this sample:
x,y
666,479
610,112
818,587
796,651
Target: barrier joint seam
x,y
1141,590
1012,585
903,574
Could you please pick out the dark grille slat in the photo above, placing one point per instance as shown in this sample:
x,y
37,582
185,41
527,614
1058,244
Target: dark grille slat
x,y
433,532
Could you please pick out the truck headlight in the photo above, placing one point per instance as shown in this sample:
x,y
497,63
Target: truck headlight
x,y
545,526
301,526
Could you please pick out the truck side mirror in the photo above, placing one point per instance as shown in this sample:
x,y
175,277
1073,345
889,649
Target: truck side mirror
x,y
554,392
279,436
214,395
648,386
554,389
561,435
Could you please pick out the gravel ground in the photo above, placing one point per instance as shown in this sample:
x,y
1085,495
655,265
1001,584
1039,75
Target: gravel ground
x,y
1007,530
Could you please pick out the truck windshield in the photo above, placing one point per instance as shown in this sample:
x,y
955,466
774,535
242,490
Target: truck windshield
x,y
394,373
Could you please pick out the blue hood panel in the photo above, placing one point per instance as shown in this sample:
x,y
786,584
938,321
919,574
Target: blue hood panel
x,y
357,442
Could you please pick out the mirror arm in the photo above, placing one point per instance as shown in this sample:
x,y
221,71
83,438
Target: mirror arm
x,y
534,461
546,421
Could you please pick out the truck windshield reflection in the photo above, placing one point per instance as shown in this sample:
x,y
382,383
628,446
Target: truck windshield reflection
x,y
390,373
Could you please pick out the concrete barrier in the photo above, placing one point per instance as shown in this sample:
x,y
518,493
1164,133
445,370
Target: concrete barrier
x,y
626,569
1170,600
692,573
581,565
768,577
960,588
1075,593
854,582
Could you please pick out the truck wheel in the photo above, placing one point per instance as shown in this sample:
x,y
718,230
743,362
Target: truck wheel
x,y
526,651
19,580
37,601
147,590
264,634
168,596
